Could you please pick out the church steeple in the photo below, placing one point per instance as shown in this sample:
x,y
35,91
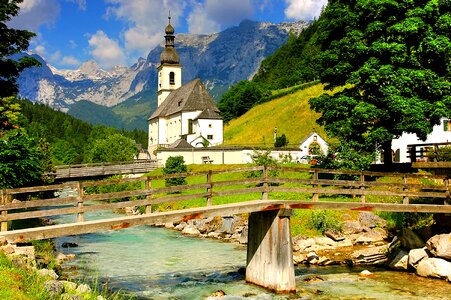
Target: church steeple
x,y
170,70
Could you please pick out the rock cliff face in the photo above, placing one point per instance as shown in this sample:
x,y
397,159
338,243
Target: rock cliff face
x,y
219,59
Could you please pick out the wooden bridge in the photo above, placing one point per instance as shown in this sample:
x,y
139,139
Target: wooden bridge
x,y
103,169
268,194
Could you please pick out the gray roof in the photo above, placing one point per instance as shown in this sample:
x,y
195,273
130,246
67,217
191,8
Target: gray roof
x,y
189,97
180,144
209,114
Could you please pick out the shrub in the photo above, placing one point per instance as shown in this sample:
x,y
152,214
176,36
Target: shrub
x,y
323,220
174,165
281,141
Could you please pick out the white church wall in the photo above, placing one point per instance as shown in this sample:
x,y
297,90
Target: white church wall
x,y
211,130
314,137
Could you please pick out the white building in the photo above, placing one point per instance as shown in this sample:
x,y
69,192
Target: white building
x,y
184,112
440,134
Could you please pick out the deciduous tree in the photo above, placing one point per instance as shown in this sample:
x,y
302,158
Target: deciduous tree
x,y
395,58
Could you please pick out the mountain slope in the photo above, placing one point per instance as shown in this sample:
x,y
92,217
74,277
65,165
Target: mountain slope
x,y
291,115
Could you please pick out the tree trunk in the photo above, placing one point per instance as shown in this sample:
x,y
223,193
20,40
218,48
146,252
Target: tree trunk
x,y
388,158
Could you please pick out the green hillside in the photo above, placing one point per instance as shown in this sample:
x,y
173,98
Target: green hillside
x,y
291,115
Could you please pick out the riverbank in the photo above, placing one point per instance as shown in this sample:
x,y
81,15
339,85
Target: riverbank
x,y
22,278
362,242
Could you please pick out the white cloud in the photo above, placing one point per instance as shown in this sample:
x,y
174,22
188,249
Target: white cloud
x,y
213,15
55,57
35,13
106,51
199,21
81,3
40,50
147,20
70,61
304,9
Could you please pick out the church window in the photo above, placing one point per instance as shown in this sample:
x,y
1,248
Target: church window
x,y
209,137
172,78
190,126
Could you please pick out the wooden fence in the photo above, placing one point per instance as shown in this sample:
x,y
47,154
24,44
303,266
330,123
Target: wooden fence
x,y
292,187
103,169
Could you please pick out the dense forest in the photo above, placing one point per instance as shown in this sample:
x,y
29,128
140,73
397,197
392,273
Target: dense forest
x,y
70,139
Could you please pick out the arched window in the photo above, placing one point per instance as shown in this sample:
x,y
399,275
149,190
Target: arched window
x,y
172,78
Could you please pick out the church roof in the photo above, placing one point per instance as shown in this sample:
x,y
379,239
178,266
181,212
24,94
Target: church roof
x,y
181,144
209,114
189,97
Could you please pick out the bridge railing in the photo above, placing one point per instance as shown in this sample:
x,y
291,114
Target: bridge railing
x,y
305,188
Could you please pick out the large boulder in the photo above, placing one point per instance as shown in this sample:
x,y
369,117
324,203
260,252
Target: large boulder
x,y
352,227
416,255
440,245
371,236
191,230
434,267
370,220
410,240
400,261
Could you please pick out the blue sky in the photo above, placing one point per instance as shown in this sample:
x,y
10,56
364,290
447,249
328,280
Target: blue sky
x,y
117,32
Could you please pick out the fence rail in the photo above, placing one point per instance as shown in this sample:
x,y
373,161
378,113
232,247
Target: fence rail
x,y
292,187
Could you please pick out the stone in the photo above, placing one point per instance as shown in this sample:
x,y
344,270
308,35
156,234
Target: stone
x,y
169,225
3,241
190,230
416,255
54,287
334,235
410,240
434,267
243,236
201,225
69,286
67,296
48,273
369,237
7,249
83,289
440,246
27,251
400,261
366,273
368,219
299,258
69,245
352,227
214,235
181,226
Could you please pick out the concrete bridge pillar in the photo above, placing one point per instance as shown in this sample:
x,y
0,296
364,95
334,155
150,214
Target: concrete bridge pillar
x,y
269,251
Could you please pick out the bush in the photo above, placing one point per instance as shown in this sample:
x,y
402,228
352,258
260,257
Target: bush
x,y
174,165
281,141
323,220
263,158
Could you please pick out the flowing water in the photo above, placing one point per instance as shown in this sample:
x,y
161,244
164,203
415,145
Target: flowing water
x,y
157,263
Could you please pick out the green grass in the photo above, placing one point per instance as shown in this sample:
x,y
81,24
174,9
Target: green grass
x,y
291,115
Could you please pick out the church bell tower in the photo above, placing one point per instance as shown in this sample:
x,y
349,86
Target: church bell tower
x,y
170,69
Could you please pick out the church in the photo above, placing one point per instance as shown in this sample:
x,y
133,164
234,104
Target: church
x,y
186,115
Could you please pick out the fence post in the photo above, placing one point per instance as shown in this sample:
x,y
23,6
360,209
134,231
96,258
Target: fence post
x,y
210,187
362,187
447,192
265,183
80,198
148,187
314,185
405,199
4,225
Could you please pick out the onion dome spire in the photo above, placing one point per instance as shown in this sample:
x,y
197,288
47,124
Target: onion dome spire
x,y
169,54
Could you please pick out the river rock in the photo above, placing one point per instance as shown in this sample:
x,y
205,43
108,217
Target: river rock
x,y
181,226
48,273
416,255
371,236
69,286
169,225
83,289
410,240
434,267
3,241
7,249
190,230
366,273
440,246
54,287
400,261
370,220
27,251
201,225
352,227
243,236
67,296
334,235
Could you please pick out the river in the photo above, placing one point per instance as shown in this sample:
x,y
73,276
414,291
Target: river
x,y
157,263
